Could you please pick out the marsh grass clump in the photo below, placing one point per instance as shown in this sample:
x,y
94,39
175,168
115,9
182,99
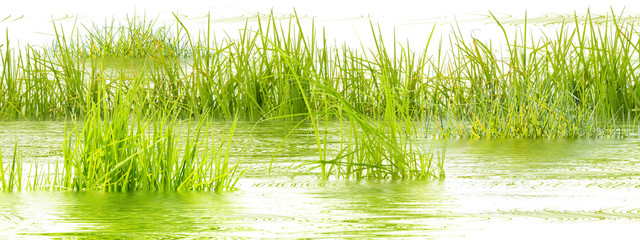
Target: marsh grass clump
x,y
378,150
11,174
370,146
113,153
137,37
578,84
127,151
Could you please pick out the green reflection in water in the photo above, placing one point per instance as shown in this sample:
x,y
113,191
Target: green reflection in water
x,y
492,185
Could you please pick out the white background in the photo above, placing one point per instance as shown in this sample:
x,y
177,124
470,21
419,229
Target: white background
x,y
30,21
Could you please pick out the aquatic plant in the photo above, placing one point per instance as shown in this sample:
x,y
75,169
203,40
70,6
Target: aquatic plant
x,y
131,151
137,37
369,146
579,83
11,175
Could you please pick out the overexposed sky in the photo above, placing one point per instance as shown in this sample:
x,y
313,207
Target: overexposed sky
x,y
403,8
31,20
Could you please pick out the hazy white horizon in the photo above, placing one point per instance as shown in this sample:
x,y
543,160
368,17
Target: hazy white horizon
x,y
30,21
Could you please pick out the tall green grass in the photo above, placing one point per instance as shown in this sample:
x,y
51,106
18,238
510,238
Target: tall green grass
x,y
11,175
131,151
149,154
579,83
131,84
370,146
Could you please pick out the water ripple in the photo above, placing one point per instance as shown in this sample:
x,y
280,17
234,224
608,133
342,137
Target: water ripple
x,y
563,215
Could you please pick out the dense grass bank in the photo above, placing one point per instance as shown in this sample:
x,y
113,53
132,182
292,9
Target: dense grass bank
x,y
127,86
580,83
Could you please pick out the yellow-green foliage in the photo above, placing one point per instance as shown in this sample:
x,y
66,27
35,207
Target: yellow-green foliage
x,y
579,83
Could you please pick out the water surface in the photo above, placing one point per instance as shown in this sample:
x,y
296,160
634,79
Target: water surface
x,y
493,189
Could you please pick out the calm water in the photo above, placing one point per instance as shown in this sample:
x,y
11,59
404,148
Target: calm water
x,y
493,189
